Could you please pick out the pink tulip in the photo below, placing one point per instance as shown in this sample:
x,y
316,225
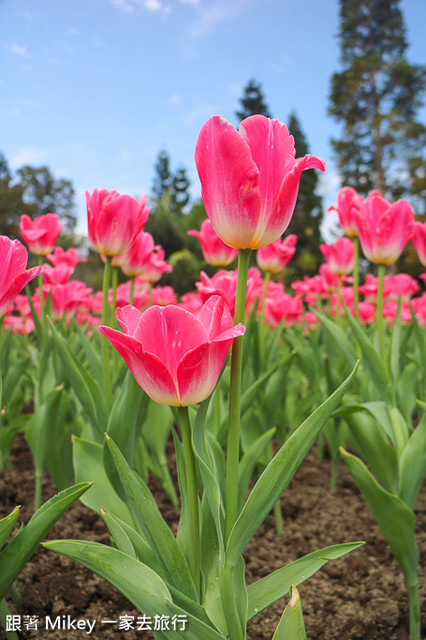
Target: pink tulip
x,y
114,220
13,273
419,241
68,257
249,179
174,355
40,234
155,266
339,256
348,203
215,252
275,256
384,228
283,307
134,261
57,275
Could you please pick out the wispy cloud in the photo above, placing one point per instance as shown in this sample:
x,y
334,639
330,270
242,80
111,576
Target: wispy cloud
x,y
28,156
17,49
150,5
212,13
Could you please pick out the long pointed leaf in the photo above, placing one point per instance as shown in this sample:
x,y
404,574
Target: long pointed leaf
x,y
19,550
291,625
278,474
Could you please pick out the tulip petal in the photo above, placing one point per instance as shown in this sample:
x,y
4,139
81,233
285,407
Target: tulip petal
x,y
149,371
229,182
215,316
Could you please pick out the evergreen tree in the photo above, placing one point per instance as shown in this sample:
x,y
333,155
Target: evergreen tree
x,y
376,97
308,213
12,204
179,190
47,194
252,102
164,178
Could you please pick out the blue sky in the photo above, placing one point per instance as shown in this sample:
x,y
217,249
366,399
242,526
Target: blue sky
x,y
96,88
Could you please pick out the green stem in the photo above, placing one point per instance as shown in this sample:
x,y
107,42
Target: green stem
x,y
229,604
4,611
38,489
192,497
380,319
114,283
356,277
150,294
40,290
414,607
132,290
105,342
262,313
233,445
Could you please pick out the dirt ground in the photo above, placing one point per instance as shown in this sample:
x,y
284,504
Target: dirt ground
x,y
358,597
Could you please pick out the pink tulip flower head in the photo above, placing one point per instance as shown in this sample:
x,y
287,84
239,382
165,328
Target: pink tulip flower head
x,y
137,257
40,234
419,241
384,228
69,257
249,179
348,203
275,256
13,273
155,266
215,252
114,220
175,356
339,256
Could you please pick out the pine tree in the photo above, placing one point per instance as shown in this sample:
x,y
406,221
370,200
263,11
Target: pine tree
x,y
164,178
179,190
376,97
252,102
308,213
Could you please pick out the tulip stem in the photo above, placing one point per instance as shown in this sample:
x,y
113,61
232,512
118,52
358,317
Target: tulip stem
x,y
356,277
233,445
105,342
414,608
114,278
192,496
262,311
380,319
132,290
42,311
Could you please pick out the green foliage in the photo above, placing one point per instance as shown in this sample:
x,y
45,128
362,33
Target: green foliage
x,y
376,97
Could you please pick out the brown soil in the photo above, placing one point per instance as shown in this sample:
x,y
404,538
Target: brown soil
x,y
358,597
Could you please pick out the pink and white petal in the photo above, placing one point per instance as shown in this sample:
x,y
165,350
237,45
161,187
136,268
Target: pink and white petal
x,y
21,280
215,316
148,370
273,152
229,182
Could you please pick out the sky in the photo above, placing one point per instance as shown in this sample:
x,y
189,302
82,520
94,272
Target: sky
x,y
95,89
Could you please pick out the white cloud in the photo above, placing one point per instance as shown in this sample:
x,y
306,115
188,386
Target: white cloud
x,y
175,98
28,156
17,49
213,13
150,5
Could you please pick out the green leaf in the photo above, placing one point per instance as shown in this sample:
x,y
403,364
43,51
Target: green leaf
x,y
142,586
278,474
88,466
120,537
274,586
372,359
249,461
41,426
87,391
92,354
19,550
395,520
412,466
158,534
339,338
291,625
7,524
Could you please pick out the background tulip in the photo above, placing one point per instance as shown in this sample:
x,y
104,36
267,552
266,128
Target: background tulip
x,y
174,355
215,252
419,241
40,234
275,256
348,203
13,273
249,179
114,220
384,228
339,256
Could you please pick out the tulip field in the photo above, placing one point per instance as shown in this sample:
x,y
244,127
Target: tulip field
x,y
243,461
